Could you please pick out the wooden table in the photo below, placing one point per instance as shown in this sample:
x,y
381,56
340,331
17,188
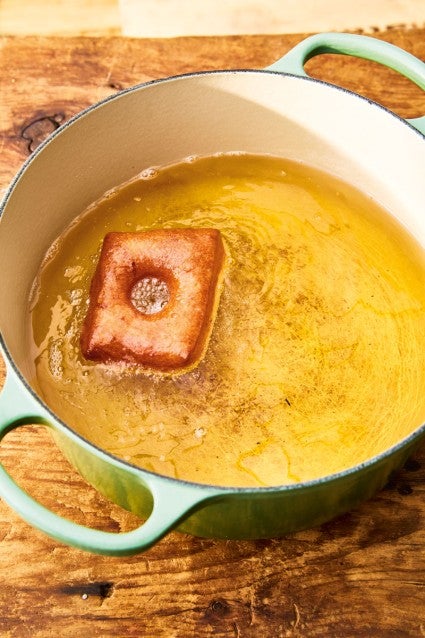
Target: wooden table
x,y
360,575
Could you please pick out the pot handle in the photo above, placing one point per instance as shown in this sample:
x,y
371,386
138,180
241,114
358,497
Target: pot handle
x,y
360,46
172,503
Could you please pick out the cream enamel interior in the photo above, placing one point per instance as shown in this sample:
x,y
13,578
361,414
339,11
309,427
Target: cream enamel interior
x,y
160,123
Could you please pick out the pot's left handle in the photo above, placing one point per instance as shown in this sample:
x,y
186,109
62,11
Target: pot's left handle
x,y
360,46
172,503
17,406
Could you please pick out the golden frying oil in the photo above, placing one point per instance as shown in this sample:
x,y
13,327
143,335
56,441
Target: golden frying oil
x,y
317,357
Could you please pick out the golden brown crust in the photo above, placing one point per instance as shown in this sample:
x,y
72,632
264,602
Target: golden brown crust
x,y
190,262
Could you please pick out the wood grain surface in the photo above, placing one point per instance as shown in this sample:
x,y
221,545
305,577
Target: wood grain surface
x,y
362,574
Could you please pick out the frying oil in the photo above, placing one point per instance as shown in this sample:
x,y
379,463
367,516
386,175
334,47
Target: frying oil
x,y
317,356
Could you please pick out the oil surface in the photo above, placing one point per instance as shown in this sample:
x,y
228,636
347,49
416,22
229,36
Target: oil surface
x,y
317,356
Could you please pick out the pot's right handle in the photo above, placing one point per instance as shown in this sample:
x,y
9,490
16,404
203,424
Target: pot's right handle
x,y
360,46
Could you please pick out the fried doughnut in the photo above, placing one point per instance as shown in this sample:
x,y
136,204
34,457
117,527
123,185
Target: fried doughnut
x,y
153,298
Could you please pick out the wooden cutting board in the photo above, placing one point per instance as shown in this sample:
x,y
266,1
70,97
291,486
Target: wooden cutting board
x,y
362,574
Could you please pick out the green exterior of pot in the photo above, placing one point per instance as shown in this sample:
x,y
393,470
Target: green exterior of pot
x,y
242,513
164,503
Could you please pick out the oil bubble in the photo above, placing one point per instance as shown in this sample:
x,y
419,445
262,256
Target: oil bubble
x,y
149,173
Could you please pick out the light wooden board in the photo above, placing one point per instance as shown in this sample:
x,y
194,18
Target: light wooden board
x,y
169,18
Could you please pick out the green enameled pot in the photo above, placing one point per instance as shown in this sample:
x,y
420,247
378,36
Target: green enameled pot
x,y
279,111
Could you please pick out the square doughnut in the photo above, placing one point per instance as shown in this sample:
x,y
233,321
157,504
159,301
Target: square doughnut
x,y
188,264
